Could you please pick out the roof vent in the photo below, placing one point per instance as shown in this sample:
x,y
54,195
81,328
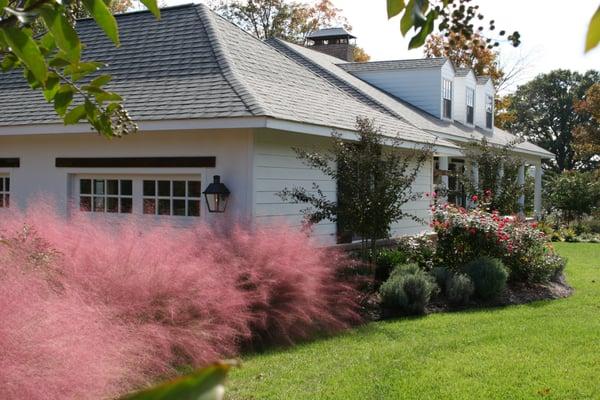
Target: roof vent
x,y
336,42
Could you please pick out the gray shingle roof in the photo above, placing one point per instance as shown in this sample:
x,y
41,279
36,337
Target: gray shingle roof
x,y
394,64
482,79
330,32
327,67
194,64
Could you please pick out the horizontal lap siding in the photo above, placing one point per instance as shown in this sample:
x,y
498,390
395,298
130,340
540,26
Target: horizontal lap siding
x,y
276,167
420,208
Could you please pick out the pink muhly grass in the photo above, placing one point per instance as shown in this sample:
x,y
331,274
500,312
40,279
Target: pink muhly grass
x,y
92,309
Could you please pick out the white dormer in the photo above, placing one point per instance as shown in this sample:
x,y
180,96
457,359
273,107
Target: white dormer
x,y
465,83
484,107
420,82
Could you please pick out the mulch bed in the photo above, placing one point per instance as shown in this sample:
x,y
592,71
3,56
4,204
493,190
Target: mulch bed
x,y
513,294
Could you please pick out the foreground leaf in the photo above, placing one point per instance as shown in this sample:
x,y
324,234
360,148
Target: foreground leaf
x,y
394,7
204,384
104,18
25,48
593,34
152,6
64,34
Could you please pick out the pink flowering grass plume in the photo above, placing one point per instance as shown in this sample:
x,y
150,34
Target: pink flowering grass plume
x,y
93,309
293,289
53,344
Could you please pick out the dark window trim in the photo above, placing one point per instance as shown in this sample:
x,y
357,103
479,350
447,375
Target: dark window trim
x,y
10,162
137,162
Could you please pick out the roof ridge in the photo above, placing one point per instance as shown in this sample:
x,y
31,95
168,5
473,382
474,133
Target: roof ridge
x,y
227,68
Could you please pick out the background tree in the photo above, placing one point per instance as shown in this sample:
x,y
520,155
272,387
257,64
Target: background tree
x,y
573,194
544,111
587,133
52,63
288,20
473,52
375,179
284,19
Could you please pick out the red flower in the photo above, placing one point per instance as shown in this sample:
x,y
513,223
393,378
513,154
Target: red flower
x,y
474,197
473,231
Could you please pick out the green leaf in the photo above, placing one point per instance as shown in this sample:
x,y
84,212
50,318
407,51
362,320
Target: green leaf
x,y
52,86
152,6
75,115
419,39
101,80
27,51
394,7
65,36
108,96
59,62
104,18
204,384
62,99
593,35
8,62
78,71
407,20
3,3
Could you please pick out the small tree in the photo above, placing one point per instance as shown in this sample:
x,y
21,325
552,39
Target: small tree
x,y
498,175
375,179
573,194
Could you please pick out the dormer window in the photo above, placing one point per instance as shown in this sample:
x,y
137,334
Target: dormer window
x,y
489,111
470,105
447,98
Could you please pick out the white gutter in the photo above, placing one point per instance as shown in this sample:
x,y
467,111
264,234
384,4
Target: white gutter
x,y
207,124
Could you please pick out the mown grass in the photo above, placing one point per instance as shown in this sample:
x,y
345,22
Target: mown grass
x,y
543,350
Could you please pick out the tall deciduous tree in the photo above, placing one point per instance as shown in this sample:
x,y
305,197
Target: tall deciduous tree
x,y
587,134
375,177
544,112
288,20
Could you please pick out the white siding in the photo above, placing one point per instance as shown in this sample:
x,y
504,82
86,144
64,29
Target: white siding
x,y
420,208
277,167
419,87
38,176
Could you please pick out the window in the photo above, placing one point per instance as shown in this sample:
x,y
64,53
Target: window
x,y
489,111
4,191
172,197
470,105
106,195
447,98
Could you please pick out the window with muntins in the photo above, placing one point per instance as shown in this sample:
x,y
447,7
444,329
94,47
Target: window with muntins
x,y
489,111
447,98
4,191
106,195
172,197
470,105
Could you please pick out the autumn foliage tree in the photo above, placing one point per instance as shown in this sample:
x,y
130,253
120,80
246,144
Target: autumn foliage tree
x,y
587,134
466,52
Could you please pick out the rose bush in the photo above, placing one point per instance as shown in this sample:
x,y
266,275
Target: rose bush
x,y
464,235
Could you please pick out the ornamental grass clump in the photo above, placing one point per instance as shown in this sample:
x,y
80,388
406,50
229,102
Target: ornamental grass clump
x,y
92,310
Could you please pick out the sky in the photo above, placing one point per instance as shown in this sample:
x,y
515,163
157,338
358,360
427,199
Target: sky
x,y
552,32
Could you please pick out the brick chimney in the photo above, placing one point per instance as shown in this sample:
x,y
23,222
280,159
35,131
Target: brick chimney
x,y
336,42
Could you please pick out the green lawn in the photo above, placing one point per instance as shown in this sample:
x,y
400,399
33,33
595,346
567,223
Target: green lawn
x,y
548,350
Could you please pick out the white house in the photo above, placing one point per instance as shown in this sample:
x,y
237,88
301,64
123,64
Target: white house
x,y
211,100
